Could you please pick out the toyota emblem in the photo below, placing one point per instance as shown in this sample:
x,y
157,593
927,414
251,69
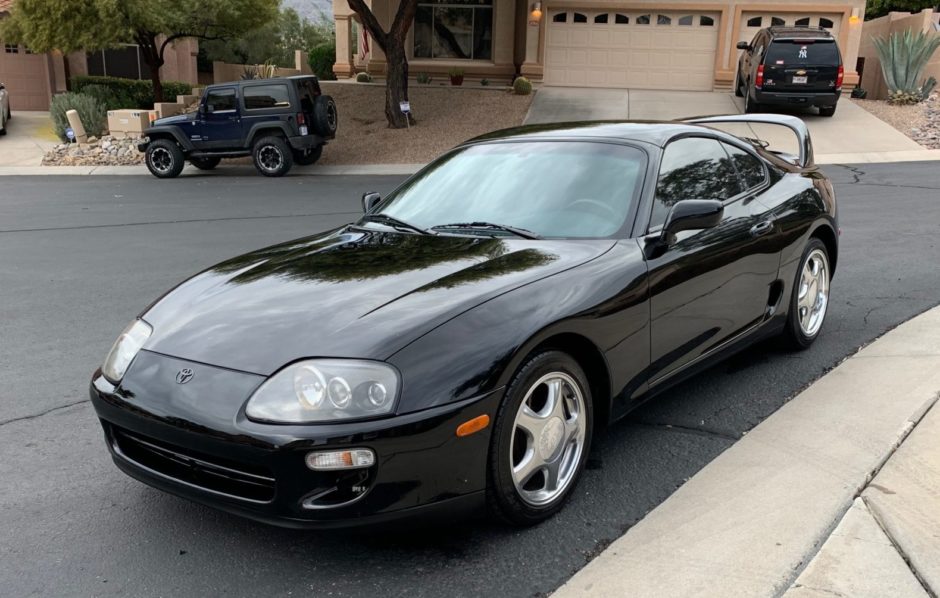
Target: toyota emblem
x,y
184,375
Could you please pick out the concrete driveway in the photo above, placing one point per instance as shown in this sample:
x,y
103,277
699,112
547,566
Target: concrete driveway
x,y
852,135
29,136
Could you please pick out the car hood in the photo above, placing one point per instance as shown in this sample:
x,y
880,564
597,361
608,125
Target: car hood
x,y
347,293
174,120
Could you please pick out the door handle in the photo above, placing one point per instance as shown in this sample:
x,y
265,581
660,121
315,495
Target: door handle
x,y
762,228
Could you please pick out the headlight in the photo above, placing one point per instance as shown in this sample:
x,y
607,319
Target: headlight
x,y
322,390
125,349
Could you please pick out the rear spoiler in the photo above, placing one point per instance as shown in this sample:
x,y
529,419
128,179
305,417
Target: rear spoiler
x,y
796,125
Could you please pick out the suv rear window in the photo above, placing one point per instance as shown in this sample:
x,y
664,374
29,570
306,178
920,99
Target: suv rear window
x,y
266,96
787,52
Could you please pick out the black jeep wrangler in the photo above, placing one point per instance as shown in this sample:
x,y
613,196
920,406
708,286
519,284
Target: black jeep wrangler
x,y
278,122
790,66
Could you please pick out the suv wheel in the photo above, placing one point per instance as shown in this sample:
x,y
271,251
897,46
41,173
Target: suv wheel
x,y
827,110
325,117
164,159
309,158
738,86
750,106
205,163
272,156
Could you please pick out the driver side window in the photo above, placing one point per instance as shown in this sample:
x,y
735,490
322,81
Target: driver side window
x,y
221,99
693,168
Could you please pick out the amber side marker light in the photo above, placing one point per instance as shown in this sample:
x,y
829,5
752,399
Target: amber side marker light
x,y
473,426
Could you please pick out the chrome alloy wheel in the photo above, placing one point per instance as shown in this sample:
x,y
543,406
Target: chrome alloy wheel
x,y
548,438
813,295
161,160
270,158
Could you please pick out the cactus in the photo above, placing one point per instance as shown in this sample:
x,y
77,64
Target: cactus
x,y
903,57
522,86
364,78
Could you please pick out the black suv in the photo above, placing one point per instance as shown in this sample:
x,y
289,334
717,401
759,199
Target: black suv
x,y
790,66
276,121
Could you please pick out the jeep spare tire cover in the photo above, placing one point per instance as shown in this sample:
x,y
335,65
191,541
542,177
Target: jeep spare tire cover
x,y
324,116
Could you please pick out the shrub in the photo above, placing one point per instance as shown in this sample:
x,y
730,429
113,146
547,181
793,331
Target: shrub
x,y
484,82
260,71
455,71
903,57
321,59
130,93
91,112
424,78
522,86
364,78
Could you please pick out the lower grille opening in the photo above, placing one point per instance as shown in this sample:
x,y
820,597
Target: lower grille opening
x,y
233,479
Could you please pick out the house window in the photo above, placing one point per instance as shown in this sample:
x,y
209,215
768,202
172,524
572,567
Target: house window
x,y
706,21
663,20
460,29
579,18
124,61
601,18
621,19
685,21
643,20
11,48
755,21
560,17
827,23
777,22
804,22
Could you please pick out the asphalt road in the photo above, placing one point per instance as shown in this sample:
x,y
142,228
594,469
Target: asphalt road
x,y
81,256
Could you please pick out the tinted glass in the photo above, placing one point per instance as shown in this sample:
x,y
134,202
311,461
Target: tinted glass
x,y
221,99
266,96
693,168
464,32
788,52
749,167
552,188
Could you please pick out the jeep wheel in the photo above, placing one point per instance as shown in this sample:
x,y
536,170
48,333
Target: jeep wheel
x,y
205,163
164,159
308,158
272,156
325,117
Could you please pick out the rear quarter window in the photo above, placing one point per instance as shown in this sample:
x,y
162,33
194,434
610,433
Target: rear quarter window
x,y
787,52
258,97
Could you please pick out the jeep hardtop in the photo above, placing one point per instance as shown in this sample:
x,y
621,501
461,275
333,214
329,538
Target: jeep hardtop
x,y
278,122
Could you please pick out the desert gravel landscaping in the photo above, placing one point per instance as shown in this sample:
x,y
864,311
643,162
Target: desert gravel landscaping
x,y
446,116
920,122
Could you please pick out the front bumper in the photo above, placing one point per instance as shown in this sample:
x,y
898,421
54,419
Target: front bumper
x,y
796,98
182,443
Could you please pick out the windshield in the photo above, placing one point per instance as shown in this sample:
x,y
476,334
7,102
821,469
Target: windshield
x,y
551,188
802,52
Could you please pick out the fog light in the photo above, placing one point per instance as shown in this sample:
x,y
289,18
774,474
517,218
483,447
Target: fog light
x,y
347,459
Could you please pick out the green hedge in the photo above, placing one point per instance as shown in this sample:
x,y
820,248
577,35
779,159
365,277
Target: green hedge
x,y
117,93
92,113
321,60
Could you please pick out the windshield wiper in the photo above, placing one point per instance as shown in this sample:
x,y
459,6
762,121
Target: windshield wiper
x,y
395,223
519,232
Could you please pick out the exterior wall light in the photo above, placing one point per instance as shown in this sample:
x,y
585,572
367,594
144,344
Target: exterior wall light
x,y
536,13
854,19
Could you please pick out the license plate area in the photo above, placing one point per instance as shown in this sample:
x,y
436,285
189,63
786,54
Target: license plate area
x,y
799,79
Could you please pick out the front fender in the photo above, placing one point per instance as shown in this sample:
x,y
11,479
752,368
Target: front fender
x,y
166,132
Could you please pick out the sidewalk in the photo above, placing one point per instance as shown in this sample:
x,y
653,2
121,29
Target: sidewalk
x,y
836,494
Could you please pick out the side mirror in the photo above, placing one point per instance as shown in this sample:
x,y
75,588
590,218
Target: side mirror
x,y
369,200
202,109
691,214
743,46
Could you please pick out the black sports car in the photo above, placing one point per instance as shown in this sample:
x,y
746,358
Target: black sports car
x,y
462,342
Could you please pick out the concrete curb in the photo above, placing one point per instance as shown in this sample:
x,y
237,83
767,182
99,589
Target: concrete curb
x,y
224,170
749,522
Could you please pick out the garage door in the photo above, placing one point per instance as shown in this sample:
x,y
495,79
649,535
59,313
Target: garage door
x,y
23,74
752,22
642,50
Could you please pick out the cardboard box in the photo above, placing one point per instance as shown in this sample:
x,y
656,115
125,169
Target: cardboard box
x,y
130,122
164,109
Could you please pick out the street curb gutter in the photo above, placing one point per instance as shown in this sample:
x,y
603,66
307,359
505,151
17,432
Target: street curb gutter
x,y
747,524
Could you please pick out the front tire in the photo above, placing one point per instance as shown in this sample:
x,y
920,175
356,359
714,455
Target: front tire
x,y
272,156
164,159
809,300
541,438
205,163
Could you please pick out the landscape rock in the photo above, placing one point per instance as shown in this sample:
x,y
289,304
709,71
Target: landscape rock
x,y
107,151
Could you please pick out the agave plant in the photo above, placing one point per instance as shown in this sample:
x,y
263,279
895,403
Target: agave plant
x,y
260,71
903,57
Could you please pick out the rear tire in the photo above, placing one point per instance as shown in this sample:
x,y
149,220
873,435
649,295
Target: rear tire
x,y
738,86
307,159
272,156
541,439
164,159
325,116
809,300
205,163
827,110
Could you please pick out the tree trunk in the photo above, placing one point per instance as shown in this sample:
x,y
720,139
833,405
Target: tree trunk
x,y
157,84
153,58
396,84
